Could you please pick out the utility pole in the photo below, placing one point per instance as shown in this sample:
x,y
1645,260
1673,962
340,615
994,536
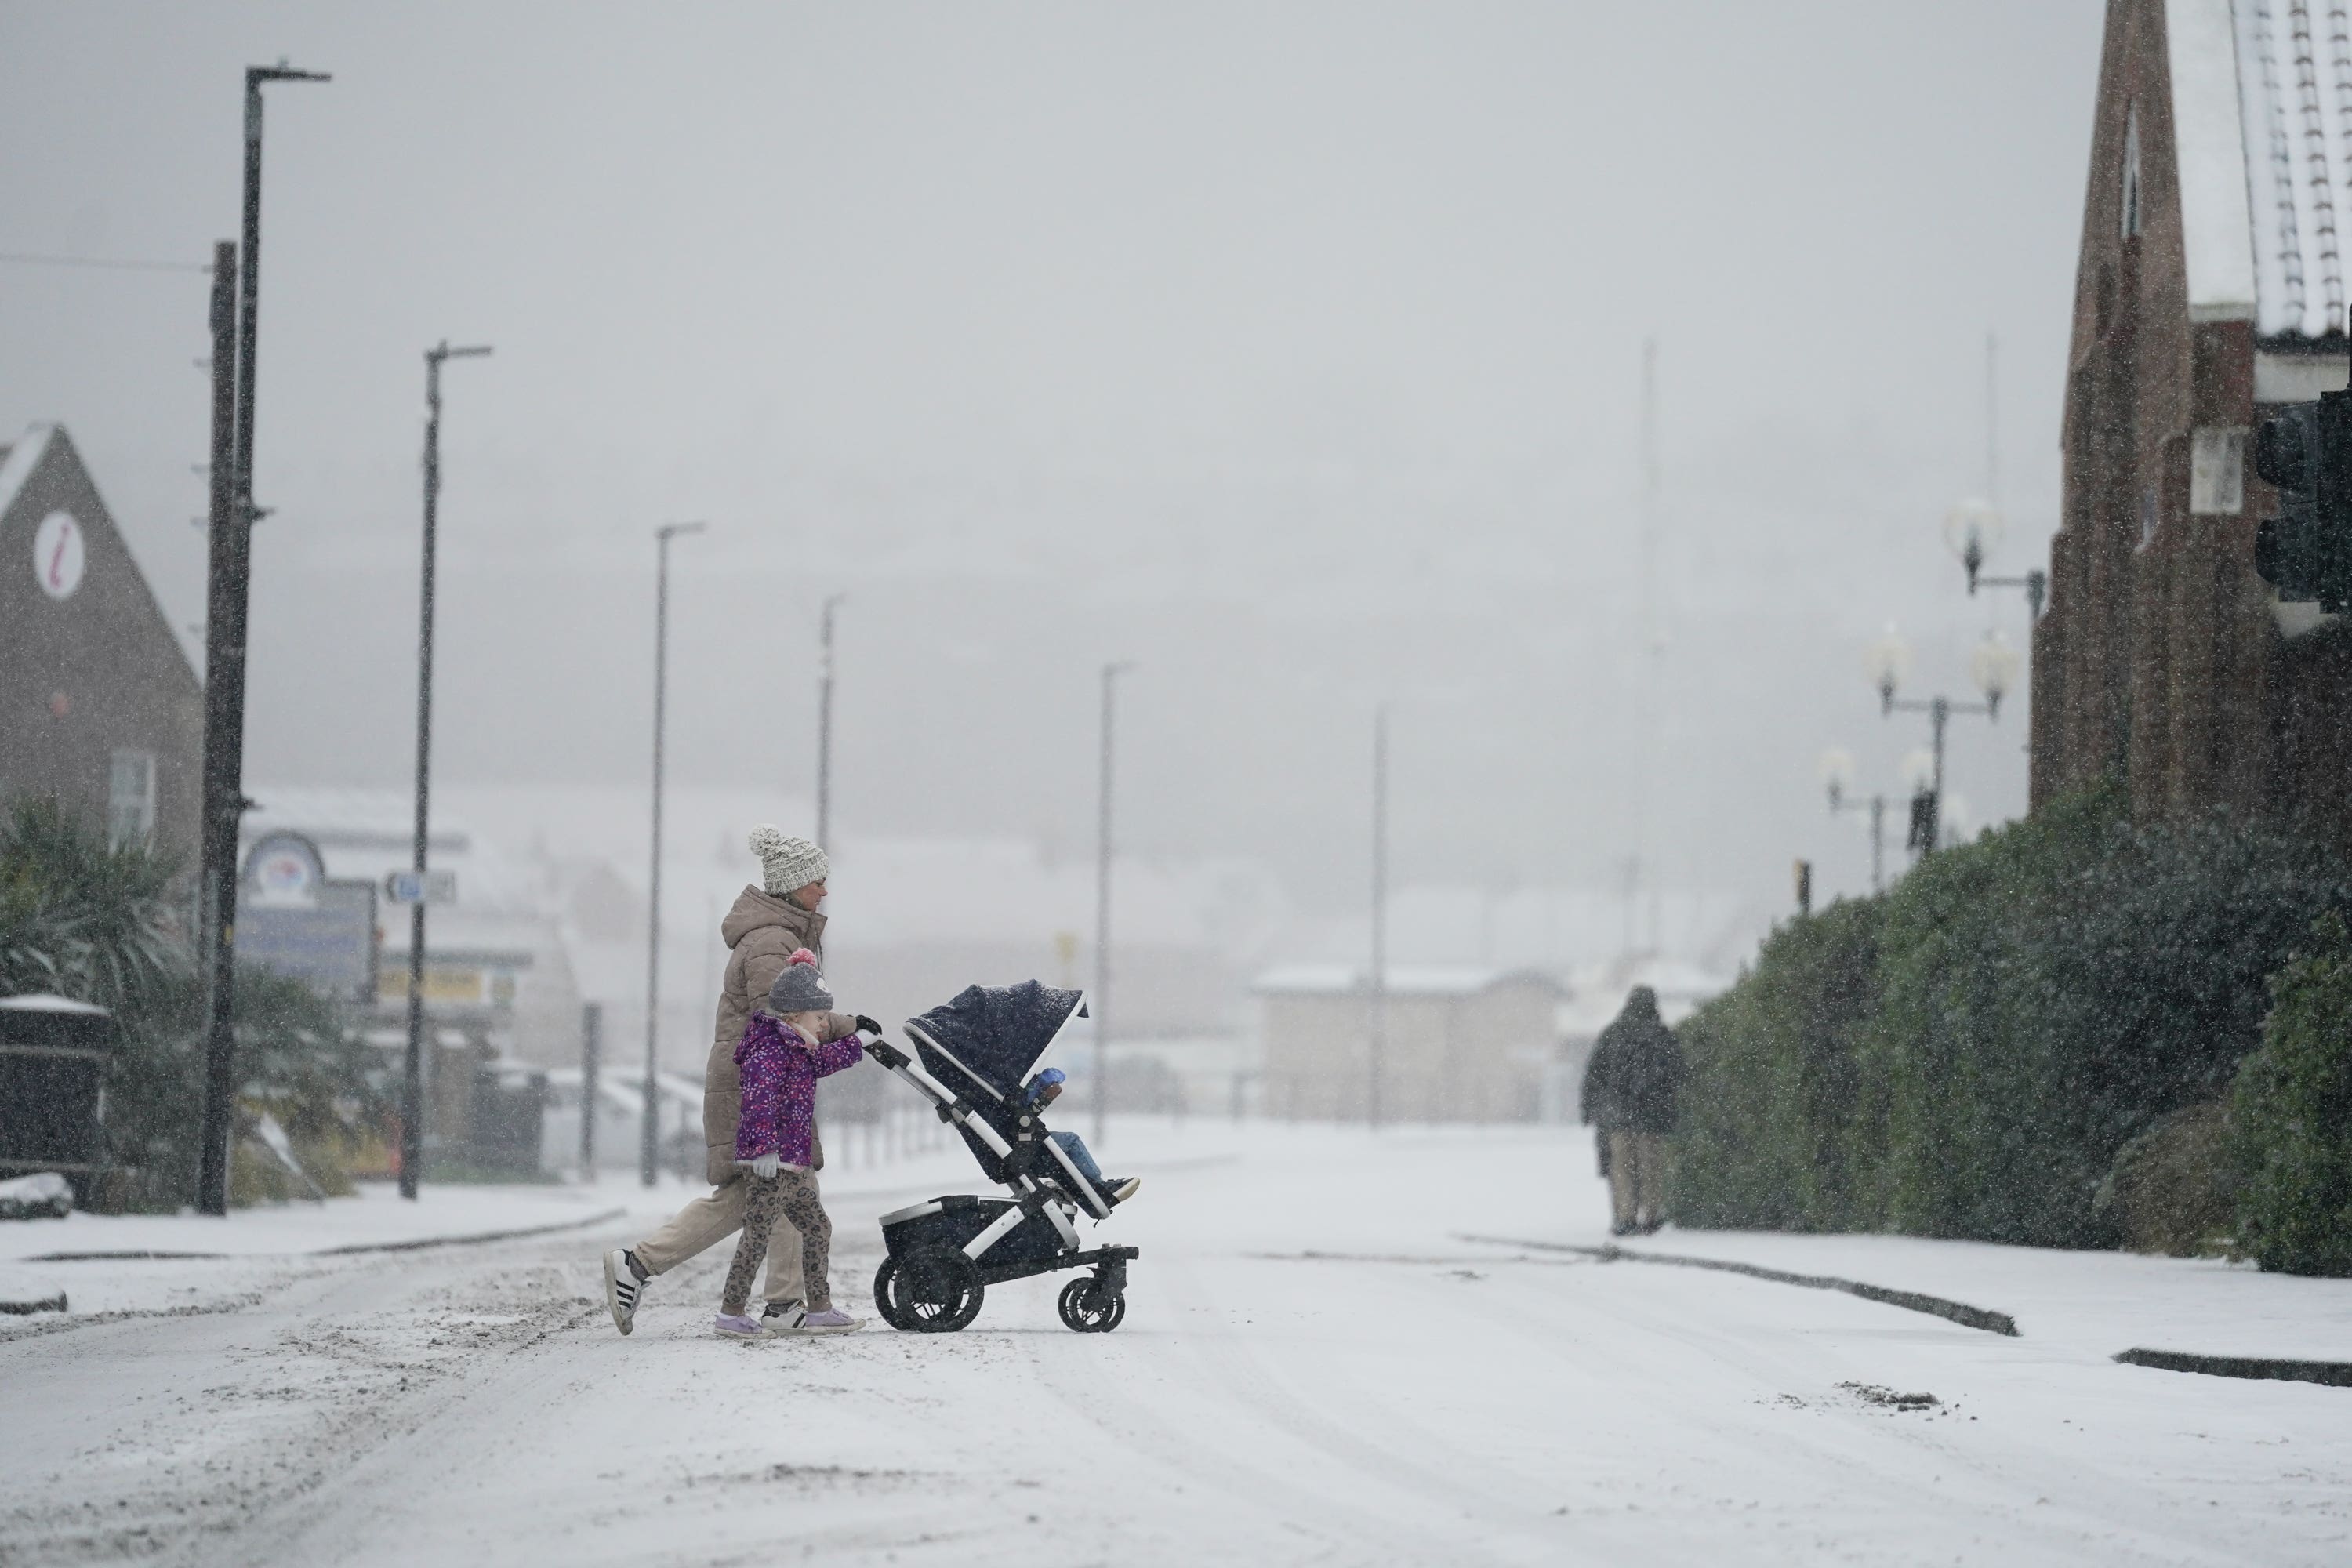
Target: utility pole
x,y
1651,859
1100,1002
1378,1043
1992,419
649,1131
230,548
592,1057
227,592
412,1083
825,730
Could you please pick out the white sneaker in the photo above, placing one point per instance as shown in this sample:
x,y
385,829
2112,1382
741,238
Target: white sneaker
x,y
783,1317
623,1289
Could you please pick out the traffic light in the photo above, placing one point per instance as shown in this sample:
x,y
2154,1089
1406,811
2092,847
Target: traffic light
x,y
2305,552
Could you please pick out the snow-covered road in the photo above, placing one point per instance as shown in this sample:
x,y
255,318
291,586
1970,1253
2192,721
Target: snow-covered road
x,y
1312,1370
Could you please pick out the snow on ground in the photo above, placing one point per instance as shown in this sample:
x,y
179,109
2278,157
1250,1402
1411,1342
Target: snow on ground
x,y
1313,1368
2092,1303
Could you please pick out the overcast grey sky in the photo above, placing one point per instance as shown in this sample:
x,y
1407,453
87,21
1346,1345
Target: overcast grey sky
x,y
1291,350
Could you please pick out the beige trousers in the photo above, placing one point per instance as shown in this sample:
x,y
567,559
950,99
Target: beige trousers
x,y
1637,1177
711,1219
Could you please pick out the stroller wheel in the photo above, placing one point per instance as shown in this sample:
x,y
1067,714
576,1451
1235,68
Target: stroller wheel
x,y
886,1295
1091,1307
934,1291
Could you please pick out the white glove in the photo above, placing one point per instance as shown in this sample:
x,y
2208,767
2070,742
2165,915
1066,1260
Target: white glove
x,y
765,1167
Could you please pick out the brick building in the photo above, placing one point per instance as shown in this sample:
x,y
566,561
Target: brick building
x,y
2211,283
98,705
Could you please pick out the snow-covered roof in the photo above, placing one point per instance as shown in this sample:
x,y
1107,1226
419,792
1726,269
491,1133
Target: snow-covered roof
x,y
2261,110
43,1002
1403,980
17,463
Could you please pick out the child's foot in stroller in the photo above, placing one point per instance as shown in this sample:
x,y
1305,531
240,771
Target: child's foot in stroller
x,y
1119,1189
832,1321
736,1326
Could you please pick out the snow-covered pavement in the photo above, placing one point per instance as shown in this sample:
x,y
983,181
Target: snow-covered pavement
x,y
1313,1368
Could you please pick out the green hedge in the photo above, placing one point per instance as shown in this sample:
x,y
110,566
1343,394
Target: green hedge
x,y
2290,1116
1965,1056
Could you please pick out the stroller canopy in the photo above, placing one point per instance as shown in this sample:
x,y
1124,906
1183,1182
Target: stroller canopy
x,y
984,1042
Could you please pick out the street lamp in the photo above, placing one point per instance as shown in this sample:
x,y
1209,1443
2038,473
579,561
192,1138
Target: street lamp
x,y
412,1083
825,726
227,592
1888,660
1100,1004
1837,781
649,1131
1973,530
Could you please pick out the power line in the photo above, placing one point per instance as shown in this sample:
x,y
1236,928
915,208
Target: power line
x,y
33,259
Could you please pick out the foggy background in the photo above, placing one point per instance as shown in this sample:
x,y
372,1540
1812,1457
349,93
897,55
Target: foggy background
x,y
1292,352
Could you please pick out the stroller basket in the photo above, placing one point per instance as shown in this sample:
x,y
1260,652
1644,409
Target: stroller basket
x,y
970,1057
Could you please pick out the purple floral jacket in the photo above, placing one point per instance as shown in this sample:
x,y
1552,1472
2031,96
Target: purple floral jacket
x,y
780,1066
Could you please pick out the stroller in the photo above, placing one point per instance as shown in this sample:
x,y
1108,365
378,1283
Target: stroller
x,y
945,1253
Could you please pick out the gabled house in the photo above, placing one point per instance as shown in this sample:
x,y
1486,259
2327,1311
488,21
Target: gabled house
x,y
2212,286
98,705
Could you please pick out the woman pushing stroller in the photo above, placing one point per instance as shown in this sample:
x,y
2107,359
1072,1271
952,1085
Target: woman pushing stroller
x,y
779,1059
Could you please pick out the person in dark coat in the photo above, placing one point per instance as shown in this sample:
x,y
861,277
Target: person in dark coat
x,y
1633,1083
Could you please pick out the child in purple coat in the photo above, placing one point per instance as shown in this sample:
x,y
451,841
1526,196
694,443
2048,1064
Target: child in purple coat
x,y
781,1059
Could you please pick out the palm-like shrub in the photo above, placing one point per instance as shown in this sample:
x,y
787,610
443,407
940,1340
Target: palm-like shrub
x,y
105,925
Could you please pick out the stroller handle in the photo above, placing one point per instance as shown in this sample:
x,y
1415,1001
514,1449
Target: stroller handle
x,y
903,1066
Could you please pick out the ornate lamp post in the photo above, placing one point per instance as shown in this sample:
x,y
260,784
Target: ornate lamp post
x,y
1973,530
1837,781
1994,666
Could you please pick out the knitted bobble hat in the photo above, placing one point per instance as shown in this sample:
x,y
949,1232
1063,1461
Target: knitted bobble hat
x,y
787,864
800,988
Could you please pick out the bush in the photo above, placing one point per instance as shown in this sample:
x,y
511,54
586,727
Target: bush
x,y
2172,1189
1967,1055
102,924
2290,1116
1762,1129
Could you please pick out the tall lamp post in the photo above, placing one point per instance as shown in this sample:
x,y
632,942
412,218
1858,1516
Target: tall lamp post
x,y
1973,530
649,1129
228,591
1837,779
824,728
1377,1040
1100,1004
412,1082
1994,667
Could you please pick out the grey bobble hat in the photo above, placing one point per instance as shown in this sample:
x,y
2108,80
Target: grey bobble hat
x,y
800,988
787,864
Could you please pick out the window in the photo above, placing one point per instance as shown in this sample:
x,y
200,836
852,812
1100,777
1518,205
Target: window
x,y
2217,472
2131,173
131,800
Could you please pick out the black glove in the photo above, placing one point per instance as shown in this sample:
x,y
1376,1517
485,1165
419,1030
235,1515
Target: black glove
x,y
868,1024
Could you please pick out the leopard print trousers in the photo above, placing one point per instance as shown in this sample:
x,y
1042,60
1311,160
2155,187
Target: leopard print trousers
x,y
793,1194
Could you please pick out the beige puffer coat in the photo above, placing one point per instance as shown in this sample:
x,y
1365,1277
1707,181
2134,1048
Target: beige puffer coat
x,y
761,932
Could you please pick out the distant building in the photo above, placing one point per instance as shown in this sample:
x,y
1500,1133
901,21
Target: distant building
x,y
2210,287
98,705
1459,1044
